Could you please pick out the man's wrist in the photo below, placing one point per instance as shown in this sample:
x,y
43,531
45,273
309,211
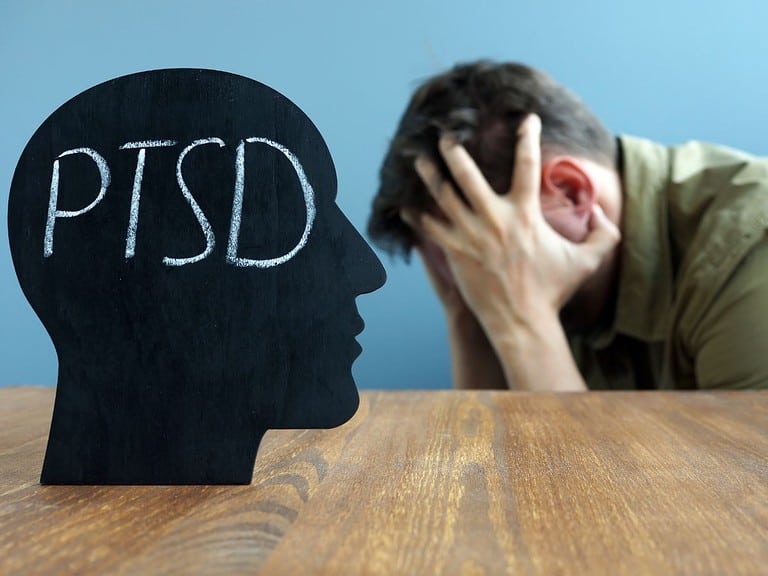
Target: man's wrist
x,y
528,321
536,356
523,335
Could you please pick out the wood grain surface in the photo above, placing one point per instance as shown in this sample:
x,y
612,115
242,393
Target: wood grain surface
x,y
425,483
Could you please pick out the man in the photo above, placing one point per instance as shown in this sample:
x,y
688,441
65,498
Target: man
x,y
566,258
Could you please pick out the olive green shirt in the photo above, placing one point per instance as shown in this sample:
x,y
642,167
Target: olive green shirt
x,y
692,303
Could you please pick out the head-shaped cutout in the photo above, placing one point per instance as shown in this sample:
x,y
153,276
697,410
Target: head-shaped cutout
x,y
177,234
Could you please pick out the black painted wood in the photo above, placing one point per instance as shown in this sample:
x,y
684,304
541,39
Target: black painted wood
x,y
174,357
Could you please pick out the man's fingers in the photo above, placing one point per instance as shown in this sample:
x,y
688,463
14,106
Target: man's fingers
x,y
526,182
410,217
428,173
603,235
467,175
431,228
441,191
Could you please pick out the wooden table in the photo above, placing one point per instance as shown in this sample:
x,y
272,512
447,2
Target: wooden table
x,y
421,483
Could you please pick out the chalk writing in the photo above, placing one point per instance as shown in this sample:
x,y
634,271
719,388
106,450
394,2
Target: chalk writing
x,y
133,219
210,240
237,207
53,210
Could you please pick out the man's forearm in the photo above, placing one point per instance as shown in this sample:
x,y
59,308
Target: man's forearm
x,y
535,355
513,270
474,363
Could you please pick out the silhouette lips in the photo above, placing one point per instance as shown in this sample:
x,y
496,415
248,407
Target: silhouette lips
x,y
358,324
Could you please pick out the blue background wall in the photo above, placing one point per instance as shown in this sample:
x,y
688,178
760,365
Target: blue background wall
x,y
671,70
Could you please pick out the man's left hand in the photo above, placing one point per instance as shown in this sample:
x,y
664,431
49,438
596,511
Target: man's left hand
x,y
510,265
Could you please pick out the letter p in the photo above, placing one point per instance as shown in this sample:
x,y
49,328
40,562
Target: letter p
x,y
54,212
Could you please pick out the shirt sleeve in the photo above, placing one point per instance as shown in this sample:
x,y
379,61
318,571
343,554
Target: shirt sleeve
x,y
730,344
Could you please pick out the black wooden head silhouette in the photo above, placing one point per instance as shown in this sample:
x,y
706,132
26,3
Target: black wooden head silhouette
x,y
177,234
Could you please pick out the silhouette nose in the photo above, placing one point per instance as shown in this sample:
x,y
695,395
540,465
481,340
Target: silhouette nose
x,y
377,276
364,268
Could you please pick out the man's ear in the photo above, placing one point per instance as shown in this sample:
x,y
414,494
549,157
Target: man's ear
x,y
566,182
567,196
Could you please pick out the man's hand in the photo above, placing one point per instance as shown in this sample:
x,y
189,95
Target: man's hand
x,y
473,359
441,278
512,269
507,261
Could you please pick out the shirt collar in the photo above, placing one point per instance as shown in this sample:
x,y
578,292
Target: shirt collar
x,y
645,279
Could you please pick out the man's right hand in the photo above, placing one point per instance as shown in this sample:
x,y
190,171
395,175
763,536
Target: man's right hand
x,y
473,359
441,278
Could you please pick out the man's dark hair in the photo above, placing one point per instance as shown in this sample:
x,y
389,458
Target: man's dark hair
x,y
482,104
